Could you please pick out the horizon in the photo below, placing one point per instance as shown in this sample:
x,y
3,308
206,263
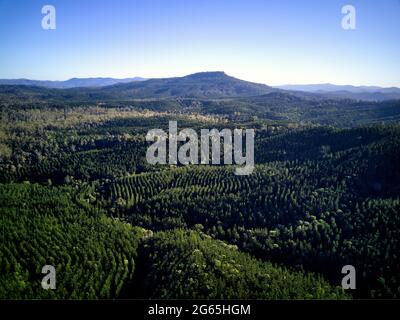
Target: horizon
x,y
270,42
145,79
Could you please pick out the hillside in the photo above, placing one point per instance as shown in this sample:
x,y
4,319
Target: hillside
x,y
70,83
191,265
209,93
97,256
367,93
198,85
43,225
319,198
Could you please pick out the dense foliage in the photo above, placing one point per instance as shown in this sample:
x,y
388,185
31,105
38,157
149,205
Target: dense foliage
x,y
313,206
190,264
77,192
94,255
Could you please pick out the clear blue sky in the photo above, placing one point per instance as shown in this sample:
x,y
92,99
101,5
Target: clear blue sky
x,y
269,41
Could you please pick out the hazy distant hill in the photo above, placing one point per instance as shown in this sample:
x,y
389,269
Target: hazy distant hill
x,y
71,83
367,96
369,93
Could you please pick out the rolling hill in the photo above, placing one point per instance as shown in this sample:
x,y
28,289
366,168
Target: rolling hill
x,y
70,83
213,93
367,93
198,85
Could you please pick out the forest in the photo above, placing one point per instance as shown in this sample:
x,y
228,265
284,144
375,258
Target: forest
x,y
77,192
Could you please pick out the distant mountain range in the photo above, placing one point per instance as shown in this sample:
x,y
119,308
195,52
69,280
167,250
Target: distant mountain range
x,y
202,85
215,93
368,93
71,83
198,85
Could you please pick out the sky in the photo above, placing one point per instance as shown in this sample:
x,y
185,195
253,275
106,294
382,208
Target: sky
x,y
267,41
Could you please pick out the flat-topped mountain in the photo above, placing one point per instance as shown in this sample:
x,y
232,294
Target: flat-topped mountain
x,y
201,85
197,85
